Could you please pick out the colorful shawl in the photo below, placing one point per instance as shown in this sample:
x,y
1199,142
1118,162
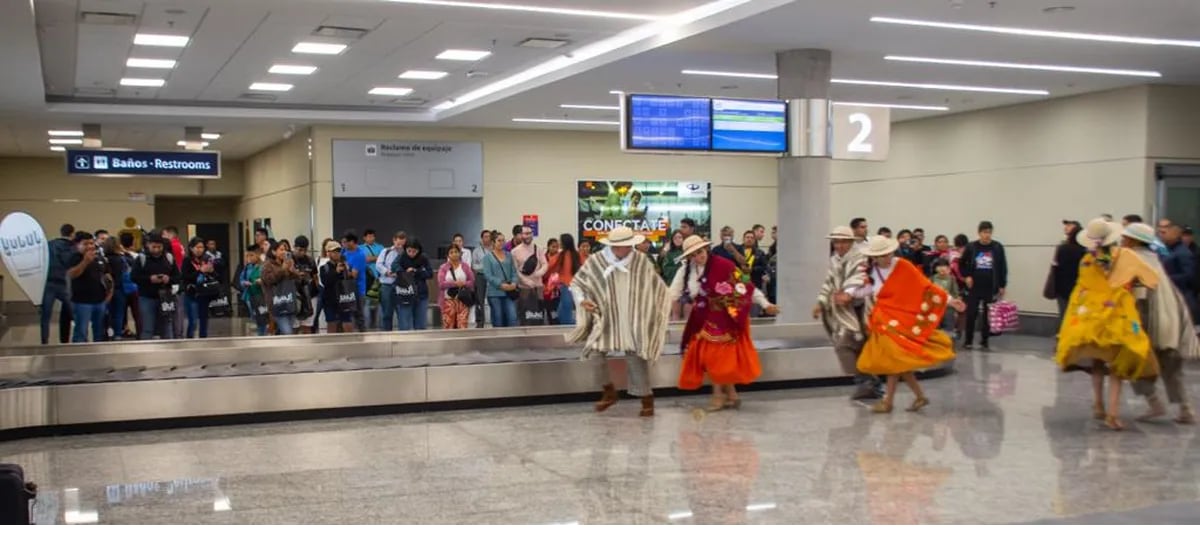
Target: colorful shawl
x,y
723,307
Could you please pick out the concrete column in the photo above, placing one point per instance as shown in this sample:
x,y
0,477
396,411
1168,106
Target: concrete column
x,y
804,194
193,138
91,136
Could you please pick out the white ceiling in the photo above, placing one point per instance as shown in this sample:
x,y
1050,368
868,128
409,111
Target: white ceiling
x,y
234,42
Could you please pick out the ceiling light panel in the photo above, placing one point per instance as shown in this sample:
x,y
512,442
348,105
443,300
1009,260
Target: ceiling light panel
x,y
152,83
160,40
185,143
65,133
892,106
210,136
290,69
150,63
423,75
567,121
463,55
309,47
390,91
1034,32
1033,67
939,86
502,6
591,107
270,87
59,142
734,74
57,149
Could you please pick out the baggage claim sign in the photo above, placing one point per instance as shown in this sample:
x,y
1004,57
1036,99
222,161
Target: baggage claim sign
x,y
653,209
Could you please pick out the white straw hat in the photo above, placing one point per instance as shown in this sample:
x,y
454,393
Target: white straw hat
x,y
691,245
842,232
879,246
1099,233
622,237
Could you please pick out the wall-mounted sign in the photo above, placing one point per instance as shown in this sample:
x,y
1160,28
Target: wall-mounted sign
x,y
650,208
531,221
101,162
363,168
25,253
861,133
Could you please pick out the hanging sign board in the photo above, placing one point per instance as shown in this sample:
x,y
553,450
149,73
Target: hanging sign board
x,y
105,162
25,253
861,133
366,168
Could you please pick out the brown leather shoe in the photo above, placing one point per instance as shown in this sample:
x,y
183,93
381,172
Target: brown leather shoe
x,y
608,398
647,407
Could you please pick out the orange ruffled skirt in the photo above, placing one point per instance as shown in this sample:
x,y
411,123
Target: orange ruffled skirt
x,y
725,362
882,355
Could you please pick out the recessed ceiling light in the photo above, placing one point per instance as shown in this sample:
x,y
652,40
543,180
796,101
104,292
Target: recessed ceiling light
x,y
150,63
271,87
1033,32
543,43
65,133
936,86
592,107
423,75
617,92
390,91
210,136
730,74
160,40
143,82
1058,9
463,55
310,47
287,69
59,142
891,106
185,143
57,149
566,121
1035,67
532,9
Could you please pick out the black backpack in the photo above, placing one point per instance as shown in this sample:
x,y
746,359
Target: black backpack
x,y
15,495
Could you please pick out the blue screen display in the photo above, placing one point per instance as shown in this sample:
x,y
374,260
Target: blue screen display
x,y
669,123
740,125
102,162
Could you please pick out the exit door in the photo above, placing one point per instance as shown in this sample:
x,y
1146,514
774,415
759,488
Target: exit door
x,y
1179,200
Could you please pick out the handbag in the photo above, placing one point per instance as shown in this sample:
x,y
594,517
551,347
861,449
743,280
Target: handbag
x,y
1002,317
465,295
219,306
284,301
1049,291
259,309
513,294
530,265
406,289
347,295
208,288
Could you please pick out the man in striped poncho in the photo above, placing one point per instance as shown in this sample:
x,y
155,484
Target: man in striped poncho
x,y
839,312
624,311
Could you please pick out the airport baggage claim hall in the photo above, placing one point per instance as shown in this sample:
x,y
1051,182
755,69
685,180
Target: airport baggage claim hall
x,y
548,262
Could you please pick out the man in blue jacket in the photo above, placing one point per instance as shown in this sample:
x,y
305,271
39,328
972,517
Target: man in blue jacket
x,y
1178,261
62,249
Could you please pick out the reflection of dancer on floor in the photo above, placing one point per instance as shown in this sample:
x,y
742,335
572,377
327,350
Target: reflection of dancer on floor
x,y
1102,332
720,469
902,327
1169,325
716,339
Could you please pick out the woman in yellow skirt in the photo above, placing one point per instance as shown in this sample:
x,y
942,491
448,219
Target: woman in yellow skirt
x,y
902,328
1102,332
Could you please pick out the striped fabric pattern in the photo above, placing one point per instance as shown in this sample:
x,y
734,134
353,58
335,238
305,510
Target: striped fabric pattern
x,y
648,316
845,274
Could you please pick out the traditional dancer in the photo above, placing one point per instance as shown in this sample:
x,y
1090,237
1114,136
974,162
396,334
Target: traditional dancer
x,y
902,328
716,338
1102,332
623,310
843,321
1169,325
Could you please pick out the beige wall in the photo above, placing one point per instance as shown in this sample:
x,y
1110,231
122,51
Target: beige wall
x,y
1174,123
278,186
534,172
1024,167
41,188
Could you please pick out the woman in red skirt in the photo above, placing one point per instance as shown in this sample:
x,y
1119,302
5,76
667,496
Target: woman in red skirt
x,y
716,341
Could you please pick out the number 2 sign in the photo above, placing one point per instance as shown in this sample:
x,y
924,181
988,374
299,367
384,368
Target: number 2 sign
x,y
861,133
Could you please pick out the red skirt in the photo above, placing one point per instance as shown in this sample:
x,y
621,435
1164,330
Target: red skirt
x,y
725,362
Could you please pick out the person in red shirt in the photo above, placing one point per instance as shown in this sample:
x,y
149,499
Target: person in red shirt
x,y
171,233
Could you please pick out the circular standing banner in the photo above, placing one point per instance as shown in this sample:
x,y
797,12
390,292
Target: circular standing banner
x,y
26,254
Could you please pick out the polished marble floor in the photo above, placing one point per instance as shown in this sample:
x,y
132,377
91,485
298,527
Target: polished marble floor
x,y
1007,440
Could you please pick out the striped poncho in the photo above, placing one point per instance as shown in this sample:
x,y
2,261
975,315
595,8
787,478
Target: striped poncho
x,y
846,273
635,323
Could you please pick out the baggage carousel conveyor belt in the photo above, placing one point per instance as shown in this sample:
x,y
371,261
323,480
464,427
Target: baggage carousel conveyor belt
x,y
514,370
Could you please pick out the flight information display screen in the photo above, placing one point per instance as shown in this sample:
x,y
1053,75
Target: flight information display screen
x,y
740,125
669,123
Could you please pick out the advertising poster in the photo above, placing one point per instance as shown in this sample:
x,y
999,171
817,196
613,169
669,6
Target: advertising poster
x,y
25,253
653,209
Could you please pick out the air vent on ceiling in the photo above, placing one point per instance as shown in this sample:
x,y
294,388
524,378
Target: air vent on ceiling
x,y
543,43
107,18
474,74
94,91
340,32
258,96
410,102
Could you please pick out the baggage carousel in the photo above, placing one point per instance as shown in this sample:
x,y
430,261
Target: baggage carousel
x,y
60,389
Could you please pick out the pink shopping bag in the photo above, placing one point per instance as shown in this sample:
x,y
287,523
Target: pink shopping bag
x,y
1003,317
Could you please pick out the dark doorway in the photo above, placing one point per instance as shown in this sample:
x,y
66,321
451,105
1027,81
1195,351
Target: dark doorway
x,y
220,233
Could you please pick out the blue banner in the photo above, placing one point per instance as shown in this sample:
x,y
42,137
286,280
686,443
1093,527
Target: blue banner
x,y
101,162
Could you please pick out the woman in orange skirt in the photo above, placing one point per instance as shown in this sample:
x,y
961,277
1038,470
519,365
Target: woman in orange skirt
x,y
905,312
716,339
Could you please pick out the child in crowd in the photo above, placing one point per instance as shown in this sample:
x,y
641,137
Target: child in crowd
x,y
942,277
252,292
